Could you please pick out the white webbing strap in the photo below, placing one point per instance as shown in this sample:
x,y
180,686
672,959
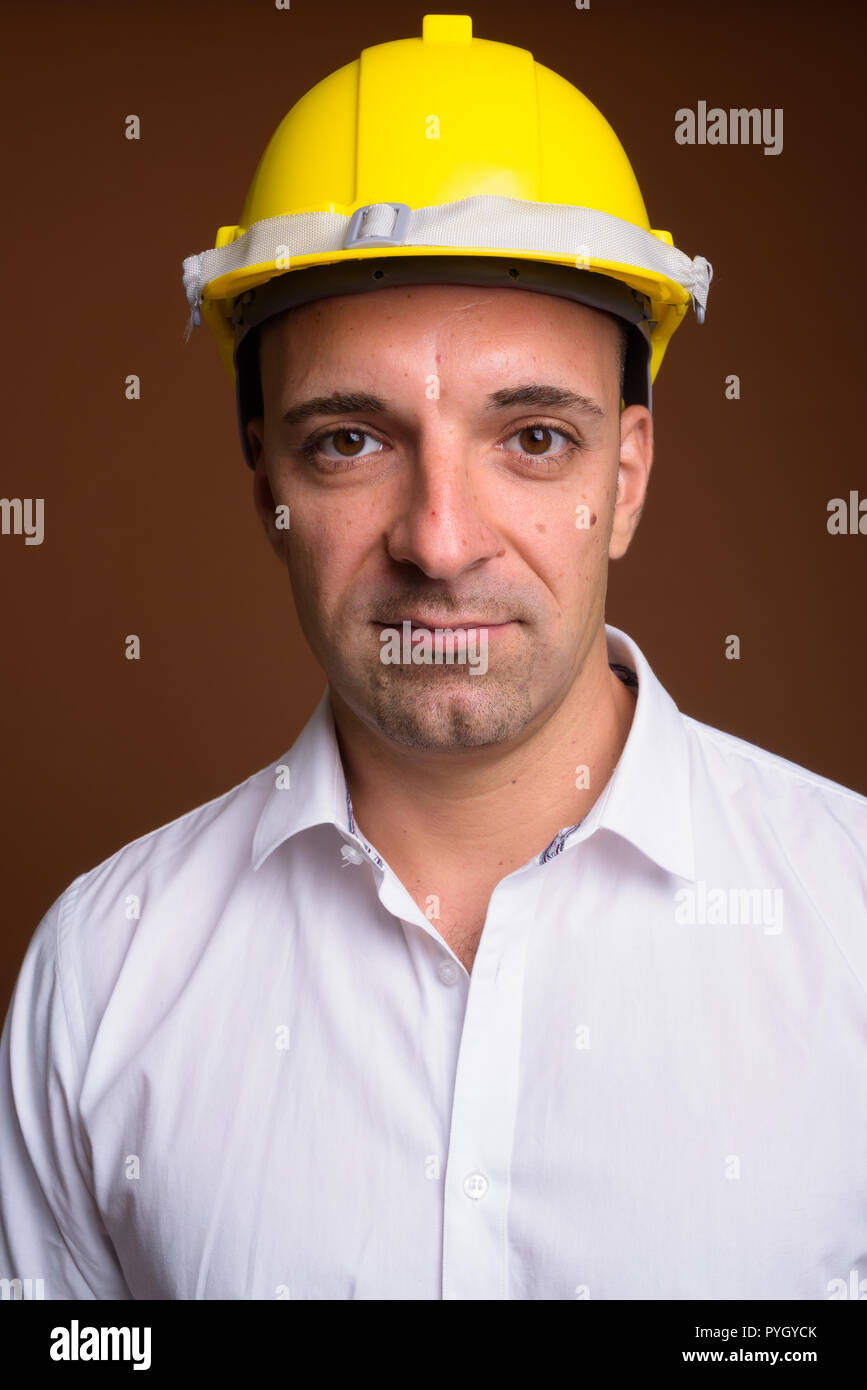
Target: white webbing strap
x,y
485,220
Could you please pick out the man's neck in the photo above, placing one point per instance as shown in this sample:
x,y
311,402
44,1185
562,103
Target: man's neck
x,y
493,807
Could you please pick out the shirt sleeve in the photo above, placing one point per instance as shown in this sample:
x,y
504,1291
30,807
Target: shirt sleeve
x,y
50,1227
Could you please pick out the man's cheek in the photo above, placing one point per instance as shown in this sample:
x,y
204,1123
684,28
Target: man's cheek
x,y
586,515
306,566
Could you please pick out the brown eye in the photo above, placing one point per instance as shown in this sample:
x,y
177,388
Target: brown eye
x,y
344,445
542,443
354,437
536,439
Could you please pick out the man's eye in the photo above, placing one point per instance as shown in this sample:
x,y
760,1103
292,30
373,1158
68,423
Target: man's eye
x,y
346,442
535,442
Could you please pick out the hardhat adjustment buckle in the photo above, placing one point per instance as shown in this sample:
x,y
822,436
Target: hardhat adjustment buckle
x,y
393,238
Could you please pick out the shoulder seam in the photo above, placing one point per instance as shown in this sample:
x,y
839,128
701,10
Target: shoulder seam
x,y
175,821
78,1036
828,928
775,761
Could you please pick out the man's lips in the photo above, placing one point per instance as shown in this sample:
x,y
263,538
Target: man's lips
x,y
448,624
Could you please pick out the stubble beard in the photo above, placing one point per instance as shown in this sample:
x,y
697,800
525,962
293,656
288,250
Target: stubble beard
x,y
435,709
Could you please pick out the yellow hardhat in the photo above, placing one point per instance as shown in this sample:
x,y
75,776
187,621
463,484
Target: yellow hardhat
x,y
446,159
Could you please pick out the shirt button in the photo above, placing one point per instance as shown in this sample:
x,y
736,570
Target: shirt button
x,y
447,971
476,1185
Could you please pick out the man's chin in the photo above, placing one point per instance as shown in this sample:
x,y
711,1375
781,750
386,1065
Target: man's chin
x,y
445,709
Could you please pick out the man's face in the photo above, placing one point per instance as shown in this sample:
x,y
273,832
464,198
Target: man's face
x,y
455,488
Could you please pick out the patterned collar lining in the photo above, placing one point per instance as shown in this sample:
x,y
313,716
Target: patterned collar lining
x,y
630,680
354,830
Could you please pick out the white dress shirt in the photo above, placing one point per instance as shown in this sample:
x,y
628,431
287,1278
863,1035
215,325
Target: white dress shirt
x,y
241,1063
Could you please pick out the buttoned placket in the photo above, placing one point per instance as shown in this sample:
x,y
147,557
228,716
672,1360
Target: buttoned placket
x,y
484,1104
486,1085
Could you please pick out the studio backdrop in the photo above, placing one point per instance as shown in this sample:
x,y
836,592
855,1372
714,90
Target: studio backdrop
x,y
130,135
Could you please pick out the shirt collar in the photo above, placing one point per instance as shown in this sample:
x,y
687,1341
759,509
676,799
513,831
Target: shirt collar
x,y
646,801
309,785
648,797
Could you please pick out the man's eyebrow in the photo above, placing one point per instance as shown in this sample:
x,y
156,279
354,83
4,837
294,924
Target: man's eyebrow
x,y
361,402
539,395
338,403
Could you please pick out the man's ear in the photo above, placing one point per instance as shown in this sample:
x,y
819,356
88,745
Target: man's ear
x,y
633,475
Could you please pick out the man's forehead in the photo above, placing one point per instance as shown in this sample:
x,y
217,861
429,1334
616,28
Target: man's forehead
x,y
531,335
419,310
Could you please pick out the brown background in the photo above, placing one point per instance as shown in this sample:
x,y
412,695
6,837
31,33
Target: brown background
x,y
149,522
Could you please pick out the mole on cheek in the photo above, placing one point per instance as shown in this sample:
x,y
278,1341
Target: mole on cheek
x,y
592,518
541,527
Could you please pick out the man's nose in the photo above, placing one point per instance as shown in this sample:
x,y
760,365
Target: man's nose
x,y
441,521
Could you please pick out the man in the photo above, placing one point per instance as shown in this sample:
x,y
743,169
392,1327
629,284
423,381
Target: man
x,y
507,980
